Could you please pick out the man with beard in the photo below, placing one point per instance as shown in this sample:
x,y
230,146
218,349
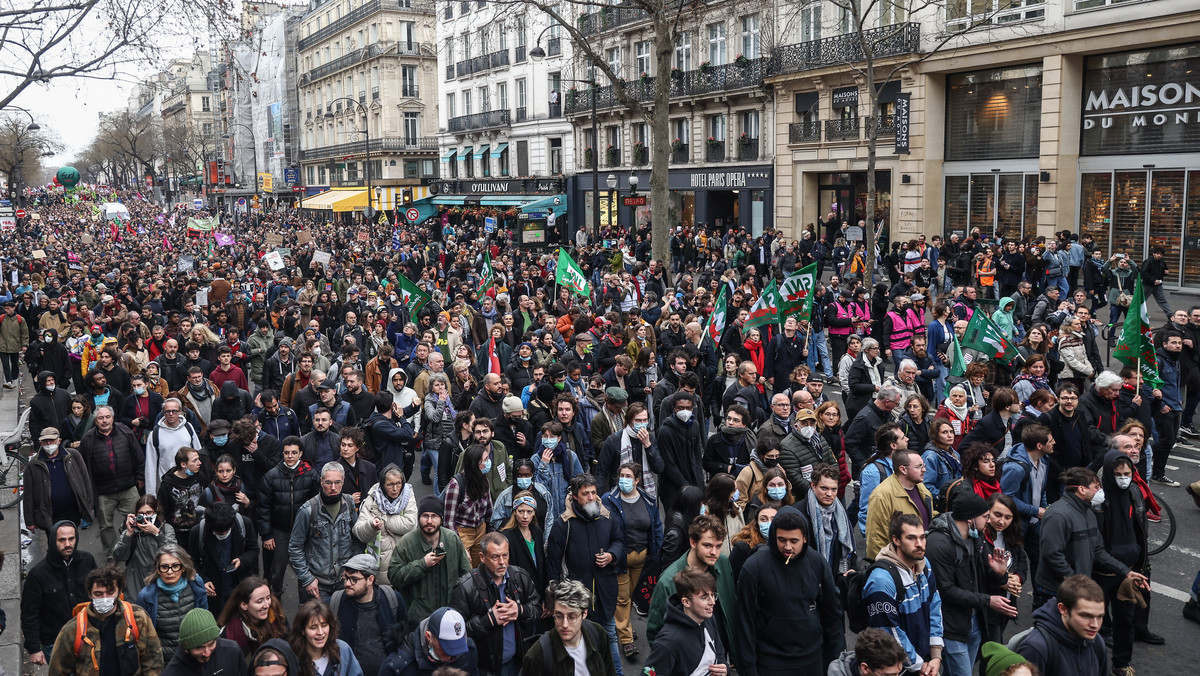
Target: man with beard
x,y
50,405
489,402
278,366
304,398
318,560
201,649
902,598
54,586
927,370
729,449
428,561
366,611
295,382
283,490
171,365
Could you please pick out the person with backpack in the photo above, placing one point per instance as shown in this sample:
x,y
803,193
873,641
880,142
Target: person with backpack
x,y
322,540
439,642
224,549
900,596
964,577
943,465
690,640
107,620
1024,476
54,586
1065,640
577,645
171,433
889,438
901,492
366,611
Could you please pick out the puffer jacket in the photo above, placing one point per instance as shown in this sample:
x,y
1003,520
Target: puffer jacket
x,y
283,491
395,526
1073,354
438,421
797,453
320,544
260,347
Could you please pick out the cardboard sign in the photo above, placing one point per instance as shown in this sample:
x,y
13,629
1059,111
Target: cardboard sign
x,y
274,260
363,237
201,296
322,258
39,254
304,236
86,238
185,264
274,240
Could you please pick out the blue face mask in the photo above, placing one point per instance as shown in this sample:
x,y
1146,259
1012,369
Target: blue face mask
x,y
764,527
189,472
221,440
487,466
625,484
639,426
139,391
550,443
776,492
524,482
973,532
736,494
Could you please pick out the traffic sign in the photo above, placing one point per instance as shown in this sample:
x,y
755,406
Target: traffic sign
x,y
20,213
241,201
411,214
489,224
197,203
634,200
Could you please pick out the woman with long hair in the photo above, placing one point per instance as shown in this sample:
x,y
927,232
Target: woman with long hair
x,y
173,588
77,422
386,514
252,615
753,534
979,472
720,500
1037,341
943,466
314,640
829,424
468,499
775,489
686,508
1003,533
1033,376
226,486
526,539
915,421
138,542
1073,353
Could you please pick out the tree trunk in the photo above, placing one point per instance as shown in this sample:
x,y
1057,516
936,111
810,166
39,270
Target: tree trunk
x,y
660,144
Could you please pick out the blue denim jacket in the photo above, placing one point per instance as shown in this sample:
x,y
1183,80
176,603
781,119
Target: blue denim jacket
x,y
1168,370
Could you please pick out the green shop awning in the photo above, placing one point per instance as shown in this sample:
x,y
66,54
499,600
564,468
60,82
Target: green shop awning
x,y
481,152
499,149
556,204
465,154
450,156
425,208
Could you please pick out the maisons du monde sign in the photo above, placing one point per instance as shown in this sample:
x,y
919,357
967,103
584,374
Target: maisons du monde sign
x,y
1144,102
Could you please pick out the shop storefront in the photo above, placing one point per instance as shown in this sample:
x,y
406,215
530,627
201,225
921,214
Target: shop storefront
x,y
1139,165
716,197
993,125
509,202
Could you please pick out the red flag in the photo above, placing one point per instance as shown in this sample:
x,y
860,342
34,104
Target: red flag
x,y
112,230
130,229
493,360
166,243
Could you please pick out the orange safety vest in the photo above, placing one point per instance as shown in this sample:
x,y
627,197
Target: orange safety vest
x,y
986,271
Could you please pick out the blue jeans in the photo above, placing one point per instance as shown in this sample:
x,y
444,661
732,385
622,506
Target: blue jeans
x,y
429,462
512,667
1196,588
819,349
611,627
939,385
1061,283
958,656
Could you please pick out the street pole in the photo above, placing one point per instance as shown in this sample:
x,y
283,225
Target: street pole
x,y
595,164
367,132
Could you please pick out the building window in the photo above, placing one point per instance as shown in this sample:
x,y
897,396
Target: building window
x,y
410,169
465,41
408,81
994,114
312,175
716,44
641,134
556,157
205,106
750,123
968,14
683,52
206,129
408,36
716,127
503,33
845,20
751,46
523,158
466,96
411,128
810,22
522,94
681,131
502,95
503,162
485,99
428,169
450,107
614,137
644,58
613,57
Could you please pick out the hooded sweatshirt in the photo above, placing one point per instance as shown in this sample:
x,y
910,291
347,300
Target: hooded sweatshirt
x,y
917,622
1075,655
52,589
1122,519
779,600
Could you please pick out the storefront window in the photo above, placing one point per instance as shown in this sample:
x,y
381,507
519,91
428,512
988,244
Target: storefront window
x,y
757,204
1001,205
994,114
1191,231
1095,199
683,208
1142,102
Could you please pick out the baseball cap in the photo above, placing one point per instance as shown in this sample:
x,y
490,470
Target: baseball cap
x,y
805,414
448,625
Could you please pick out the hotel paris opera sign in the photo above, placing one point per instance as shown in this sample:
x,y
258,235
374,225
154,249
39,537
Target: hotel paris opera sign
x,y
1142,103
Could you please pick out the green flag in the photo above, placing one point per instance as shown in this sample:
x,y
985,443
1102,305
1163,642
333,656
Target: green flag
x,y
1135,347
489,275
570,275
795,294
958,368
983,335
765,310
412,296
715,325
202,224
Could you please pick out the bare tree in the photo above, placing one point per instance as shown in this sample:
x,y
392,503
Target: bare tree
x,y
21,151
135,140
44,40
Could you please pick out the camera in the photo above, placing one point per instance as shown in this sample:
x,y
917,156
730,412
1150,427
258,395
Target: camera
x,y
143,518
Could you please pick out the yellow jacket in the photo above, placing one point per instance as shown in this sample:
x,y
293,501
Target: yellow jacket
x,y
887,498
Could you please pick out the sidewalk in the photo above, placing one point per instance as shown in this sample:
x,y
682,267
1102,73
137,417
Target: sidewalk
x,y
10,544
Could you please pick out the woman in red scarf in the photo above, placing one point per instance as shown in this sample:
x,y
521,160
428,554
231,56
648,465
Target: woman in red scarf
x,y
979,472
754,348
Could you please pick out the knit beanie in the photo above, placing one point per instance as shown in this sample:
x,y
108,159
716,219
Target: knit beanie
x,y
967,506
997,659
431,504
198,627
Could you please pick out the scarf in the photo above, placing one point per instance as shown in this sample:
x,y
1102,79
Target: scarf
x,y
200,393
984,489
173,590
649,481
389,506
1038,382
830,522
873,371
959,411
755,348
1152,506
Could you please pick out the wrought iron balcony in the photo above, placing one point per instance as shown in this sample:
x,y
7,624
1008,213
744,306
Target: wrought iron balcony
x,y
641,156
681,155
410,91
842,129
374,93
885,41
609,18
714,151
748,149
387,144
360,13
492,118
698,82
359,55
482,63
804,132
613,157
887,125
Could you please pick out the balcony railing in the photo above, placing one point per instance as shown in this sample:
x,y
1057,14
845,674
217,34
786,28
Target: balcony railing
x,y
681,155
887,125
714,151
492,118
556,110
641,156
410,91
748,150
520,56
359,55
698,82
612,157
554,47
883,42
804,132
842,129
482,63
358,14
609,18
387,144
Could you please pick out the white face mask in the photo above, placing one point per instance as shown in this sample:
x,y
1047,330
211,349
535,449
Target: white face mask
x,y
808,432
1124,482
104,604
1098,498
684,415
225,535
50,449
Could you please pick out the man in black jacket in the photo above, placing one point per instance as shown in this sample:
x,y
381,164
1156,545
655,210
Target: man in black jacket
x,y
783,354
366,612
690,638
1154,270
679,445
50,405
1072,622
223,540
501,605
964,577
54,586
392,439
116,462
860,435
284,489
279,366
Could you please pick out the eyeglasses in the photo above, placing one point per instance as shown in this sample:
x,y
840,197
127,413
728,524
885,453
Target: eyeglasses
x,y
394,484
352,579
170,567
331,484
568,618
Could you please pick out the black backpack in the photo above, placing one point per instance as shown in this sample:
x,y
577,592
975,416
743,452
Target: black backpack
x,y
856,607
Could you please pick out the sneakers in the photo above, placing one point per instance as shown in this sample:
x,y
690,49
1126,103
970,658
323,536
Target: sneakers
x,y
1194,491
1190,430
1191,611
8,385
629,650
1164,480
1123,671
1153,518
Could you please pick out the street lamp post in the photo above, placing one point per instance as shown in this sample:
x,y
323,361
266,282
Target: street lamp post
x,y
611,181
369,212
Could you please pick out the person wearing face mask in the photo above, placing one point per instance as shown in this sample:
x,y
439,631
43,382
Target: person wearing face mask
x,y
224,548
321,539
634,442
49,354
964,577
118,637
802,449
637,512
513,430
141,408
52,588
57,484
1063,554
50,404
554,464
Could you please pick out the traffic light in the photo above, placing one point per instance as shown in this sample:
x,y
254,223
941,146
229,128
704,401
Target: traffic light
x,y
407,196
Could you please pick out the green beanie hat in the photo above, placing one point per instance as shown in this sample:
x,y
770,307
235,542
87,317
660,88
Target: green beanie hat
x,y
198,627
996,657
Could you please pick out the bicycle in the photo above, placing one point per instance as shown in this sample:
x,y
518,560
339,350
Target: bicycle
x,y
1160,534
12,469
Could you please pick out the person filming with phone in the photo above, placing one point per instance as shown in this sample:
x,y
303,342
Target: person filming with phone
x,y
428,561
